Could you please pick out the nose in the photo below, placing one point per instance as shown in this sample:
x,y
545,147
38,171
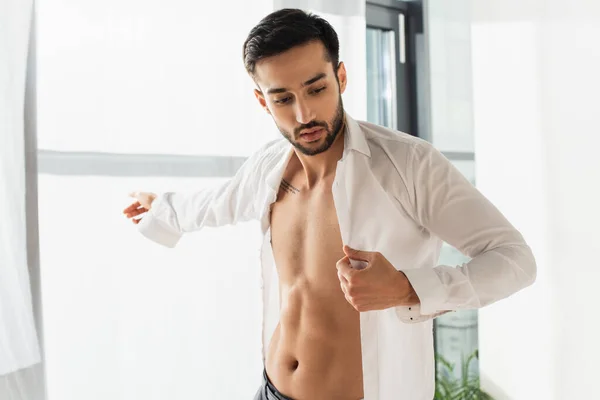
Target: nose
x,y
304,114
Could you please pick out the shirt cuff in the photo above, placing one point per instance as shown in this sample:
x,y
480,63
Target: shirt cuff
x,y
154,229
412,314
429,289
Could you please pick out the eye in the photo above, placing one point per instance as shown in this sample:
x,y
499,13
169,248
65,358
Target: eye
x,y
319,90
282,101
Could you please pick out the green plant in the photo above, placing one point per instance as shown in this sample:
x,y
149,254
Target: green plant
x,y
450,387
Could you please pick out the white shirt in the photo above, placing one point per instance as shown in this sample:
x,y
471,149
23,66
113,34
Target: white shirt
x,y
395,194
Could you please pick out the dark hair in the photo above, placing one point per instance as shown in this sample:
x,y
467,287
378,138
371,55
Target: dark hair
x,y
287,28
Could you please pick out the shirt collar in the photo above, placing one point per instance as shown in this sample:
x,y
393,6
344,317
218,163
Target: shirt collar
x,y
354,139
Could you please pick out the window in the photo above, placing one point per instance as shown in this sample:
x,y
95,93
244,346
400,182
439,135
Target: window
x,y
129,98
381,79
391,69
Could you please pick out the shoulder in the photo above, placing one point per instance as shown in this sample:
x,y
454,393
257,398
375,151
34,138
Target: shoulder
x,y
268,153
400,149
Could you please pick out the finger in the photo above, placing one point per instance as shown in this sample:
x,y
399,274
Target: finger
x,y
343,281
136,220
350,301
344,268
344,288
132,207
357,254
344,284
342,278
135,213
131,211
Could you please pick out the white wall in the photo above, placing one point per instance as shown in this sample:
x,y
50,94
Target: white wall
x,y
535,84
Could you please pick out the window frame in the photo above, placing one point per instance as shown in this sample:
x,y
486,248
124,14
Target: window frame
x,y
386,15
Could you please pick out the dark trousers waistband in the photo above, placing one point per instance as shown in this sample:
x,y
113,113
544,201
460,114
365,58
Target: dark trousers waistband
x,y
268,391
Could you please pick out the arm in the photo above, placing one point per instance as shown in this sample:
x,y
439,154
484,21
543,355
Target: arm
x,y
450,207
173,214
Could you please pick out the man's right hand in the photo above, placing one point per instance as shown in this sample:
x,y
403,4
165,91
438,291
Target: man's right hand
x,y
142,204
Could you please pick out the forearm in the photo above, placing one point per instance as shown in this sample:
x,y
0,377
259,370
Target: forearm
x,y
487,278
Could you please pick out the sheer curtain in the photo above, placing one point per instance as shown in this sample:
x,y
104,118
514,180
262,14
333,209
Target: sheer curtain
x,y
18,341
20,368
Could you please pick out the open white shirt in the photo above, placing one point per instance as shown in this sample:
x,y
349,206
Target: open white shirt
x,y
394,194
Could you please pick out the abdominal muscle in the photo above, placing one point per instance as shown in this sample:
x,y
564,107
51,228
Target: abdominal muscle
x,y
314,353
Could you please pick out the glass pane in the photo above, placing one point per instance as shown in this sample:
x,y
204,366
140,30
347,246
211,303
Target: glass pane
x,y
381,78
451,92
125,76
456,333
133,319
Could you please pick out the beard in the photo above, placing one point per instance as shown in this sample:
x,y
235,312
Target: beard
x,y
332,130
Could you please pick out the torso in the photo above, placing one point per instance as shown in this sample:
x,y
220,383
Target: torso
x,y
315,351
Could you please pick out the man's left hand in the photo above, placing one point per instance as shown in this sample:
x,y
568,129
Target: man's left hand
x,y
376,287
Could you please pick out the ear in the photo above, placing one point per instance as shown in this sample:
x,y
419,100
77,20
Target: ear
x,y
342,77
261,100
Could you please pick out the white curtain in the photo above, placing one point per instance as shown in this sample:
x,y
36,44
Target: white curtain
x,y
18,339
348,19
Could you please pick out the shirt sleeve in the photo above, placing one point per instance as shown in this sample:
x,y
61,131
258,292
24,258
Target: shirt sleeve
x,y
451,208
412,314
173,214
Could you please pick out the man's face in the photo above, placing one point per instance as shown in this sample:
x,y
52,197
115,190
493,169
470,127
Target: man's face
x,y
300,90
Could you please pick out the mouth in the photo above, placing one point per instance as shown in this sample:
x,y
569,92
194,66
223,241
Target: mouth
x,y
311,135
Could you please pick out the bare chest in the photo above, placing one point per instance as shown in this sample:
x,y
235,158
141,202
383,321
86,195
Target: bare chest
x,y
305,235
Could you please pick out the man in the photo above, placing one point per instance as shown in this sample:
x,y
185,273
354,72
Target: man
x,y
354,215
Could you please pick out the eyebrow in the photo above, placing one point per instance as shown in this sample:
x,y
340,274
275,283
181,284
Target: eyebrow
x,y
308,82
